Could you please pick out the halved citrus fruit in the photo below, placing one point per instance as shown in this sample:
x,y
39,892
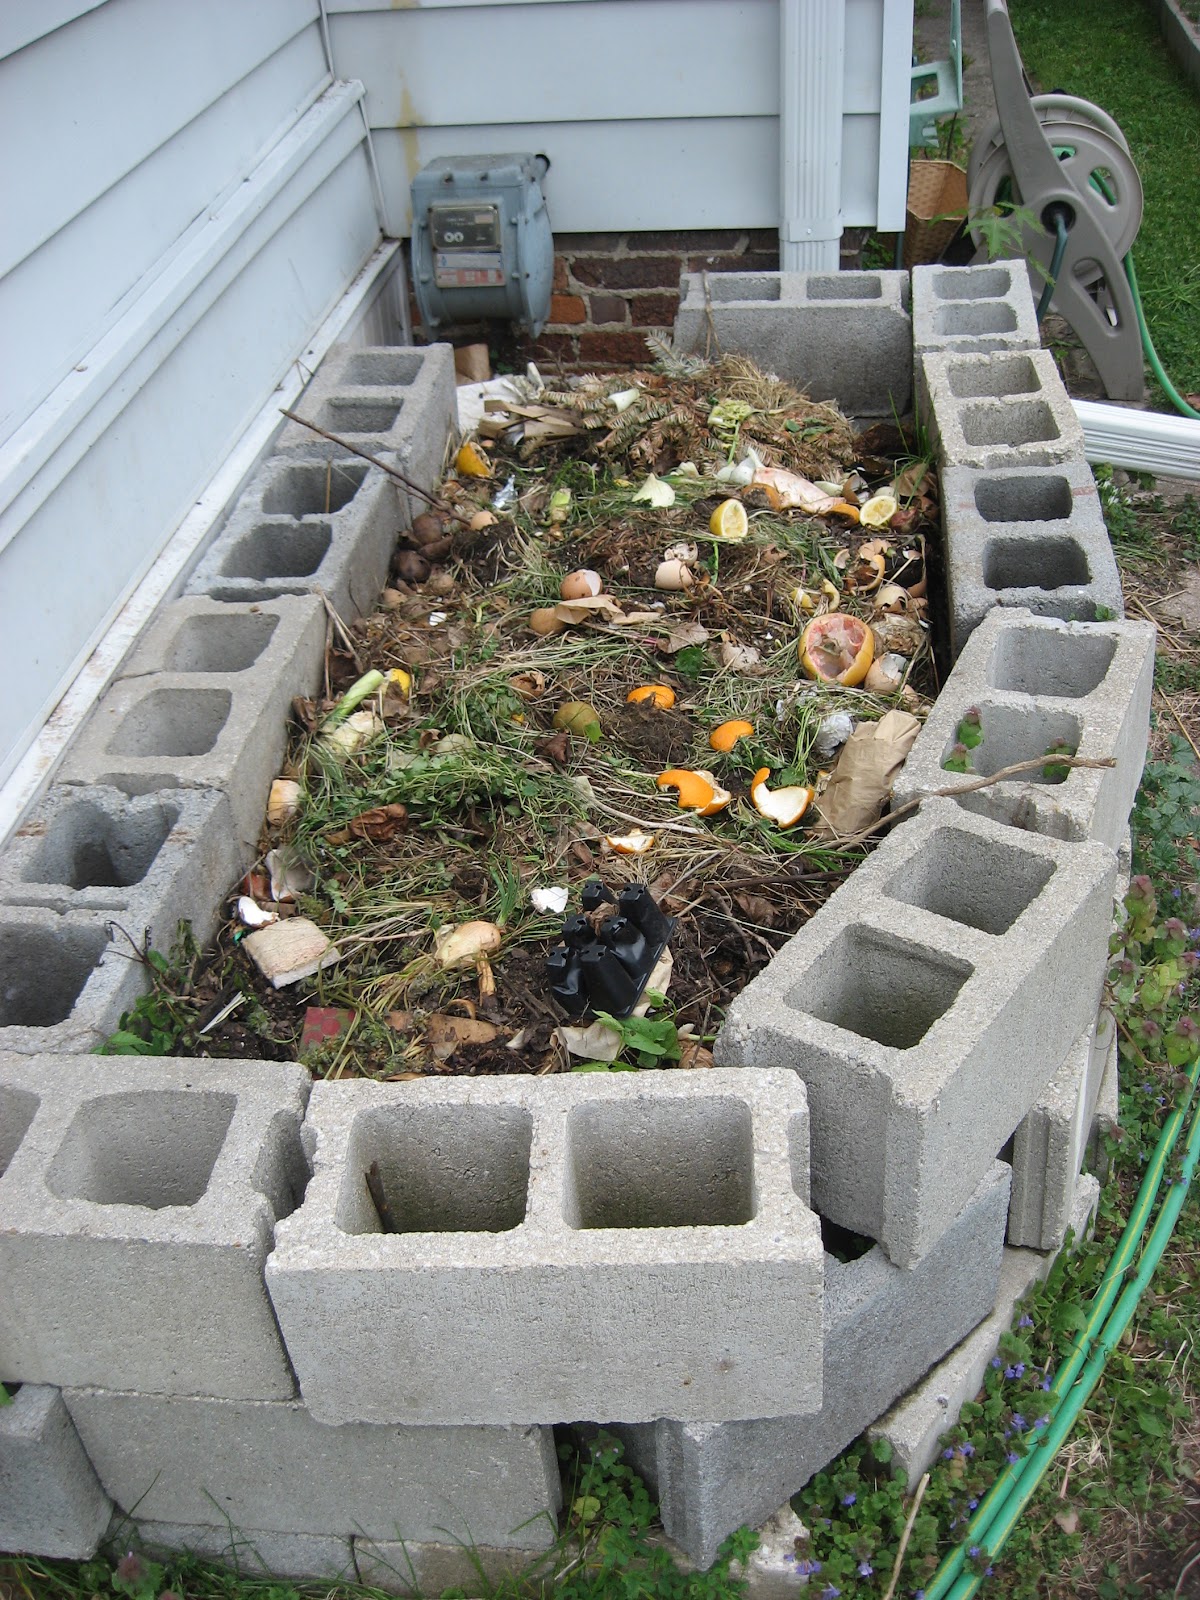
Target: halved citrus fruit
x,y
661,694
837,648
729,521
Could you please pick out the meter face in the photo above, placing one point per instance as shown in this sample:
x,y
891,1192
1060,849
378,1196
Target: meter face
x,y
466,246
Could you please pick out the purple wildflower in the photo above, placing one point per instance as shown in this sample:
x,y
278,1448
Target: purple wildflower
x,y
973,1503
865,1569
1019,1422
967,1449
948,1453
1012,1458
1026,1321
849,1499
1017,1370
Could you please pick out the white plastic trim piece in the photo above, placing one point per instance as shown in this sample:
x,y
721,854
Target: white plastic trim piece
x,y
1140,441
812,39
37,765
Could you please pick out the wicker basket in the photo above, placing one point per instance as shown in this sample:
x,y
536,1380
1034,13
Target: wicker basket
x,y
937,205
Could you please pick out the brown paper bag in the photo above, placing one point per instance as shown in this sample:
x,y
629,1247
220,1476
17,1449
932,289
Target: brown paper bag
x,y
863,775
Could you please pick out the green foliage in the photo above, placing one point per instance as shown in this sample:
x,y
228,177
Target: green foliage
x,y
650,1041
1165,815
162,1022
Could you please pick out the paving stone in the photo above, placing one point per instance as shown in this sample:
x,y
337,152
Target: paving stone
x,y
1035,682
268,1465
540,1224
844,336
51,1502
137,1206
926,1005
1030,538
884,1327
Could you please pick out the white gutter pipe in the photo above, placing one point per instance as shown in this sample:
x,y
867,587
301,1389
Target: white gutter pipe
x,y
812,48
1140,441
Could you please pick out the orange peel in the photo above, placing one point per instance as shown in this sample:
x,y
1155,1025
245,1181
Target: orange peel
x,y
662,695
837,648
697,791
727,735
634,843
783,806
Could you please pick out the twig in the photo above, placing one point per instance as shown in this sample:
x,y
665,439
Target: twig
x,y
1164,632
1170,705
341,629
907,1534
969,788
365,455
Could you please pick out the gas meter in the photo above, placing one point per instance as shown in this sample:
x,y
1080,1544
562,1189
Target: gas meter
x,y
482,245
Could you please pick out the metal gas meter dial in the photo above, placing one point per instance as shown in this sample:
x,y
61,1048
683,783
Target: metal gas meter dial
x,y
482,245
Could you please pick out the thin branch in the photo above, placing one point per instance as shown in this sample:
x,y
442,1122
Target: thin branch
x,y
341,630
907,1534
365,455
1170,705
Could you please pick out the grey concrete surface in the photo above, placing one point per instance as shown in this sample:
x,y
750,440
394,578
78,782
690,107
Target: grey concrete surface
x,y
51,1502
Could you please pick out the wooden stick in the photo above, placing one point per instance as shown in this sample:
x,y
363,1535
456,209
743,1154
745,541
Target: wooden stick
x,y
907,1534
343,633
392,472
1170,705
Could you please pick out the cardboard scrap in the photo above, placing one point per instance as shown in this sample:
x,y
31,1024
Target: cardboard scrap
x,y
863,775
288,951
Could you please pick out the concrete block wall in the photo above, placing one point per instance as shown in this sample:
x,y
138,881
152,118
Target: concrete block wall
x,y
224,1199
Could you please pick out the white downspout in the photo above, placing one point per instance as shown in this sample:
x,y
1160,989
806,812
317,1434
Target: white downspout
x,y
812,45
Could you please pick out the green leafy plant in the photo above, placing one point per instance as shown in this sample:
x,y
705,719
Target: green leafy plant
x,y
162,1022
648,1041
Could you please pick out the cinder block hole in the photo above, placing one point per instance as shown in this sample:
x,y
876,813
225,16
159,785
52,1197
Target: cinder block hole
x,y
221,644
975,881
18,1108
436,1169
845,286
993,377
1024,497
361,416
382,369
281,1173
43,972
732,286
172,722
975,319
985,283
842,1244
1013,733
1006,1152
1034,564
151,1148
671,1164
880,987
1047,661
87,847
313,489
270,550
1029,422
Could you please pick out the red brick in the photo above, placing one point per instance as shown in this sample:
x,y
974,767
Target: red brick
x,y
762,239
561,280
551,347
687,240
567,308
608,308
752,261
631,272
614,349
653,310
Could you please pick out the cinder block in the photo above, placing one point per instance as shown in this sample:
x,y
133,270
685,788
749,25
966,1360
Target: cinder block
x,y
582,1245
915,1424
200,726
1106,1114
303,526
147,862
1049,1145
972,309
844,336
51,1502
135,1216
926,1005
406,1567
393,401
1009,409
1031,538
64,980
1036,682
884,1327
252,1553
269,1465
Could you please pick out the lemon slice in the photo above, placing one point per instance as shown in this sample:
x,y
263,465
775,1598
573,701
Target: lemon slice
x,y
878,511
729,521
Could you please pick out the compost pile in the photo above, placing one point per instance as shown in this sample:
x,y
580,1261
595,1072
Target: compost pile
x,y
627,642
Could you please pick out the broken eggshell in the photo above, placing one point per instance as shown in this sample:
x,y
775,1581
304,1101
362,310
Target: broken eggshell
x,y
674,575
581,584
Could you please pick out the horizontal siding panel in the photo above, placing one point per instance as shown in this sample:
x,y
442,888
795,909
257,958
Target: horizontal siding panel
x,y
195,389
684,174
53,312
88,103
23,21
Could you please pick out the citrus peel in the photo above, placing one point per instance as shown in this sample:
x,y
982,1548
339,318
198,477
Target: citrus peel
x,y
727,735
697,791
660,694
783,806
837,648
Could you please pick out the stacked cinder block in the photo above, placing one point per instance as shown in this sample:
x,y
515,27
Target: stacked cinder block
x,y
1037,684
844,336
964,310
51,1502
566,1205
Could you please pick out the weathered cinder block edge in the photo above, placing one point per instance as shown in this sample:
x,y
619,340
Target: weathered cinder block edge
x,y
250,1552
590,1200
999,409
844,336
1030,538
136,1213
1037,680
914,1424
923,1038
884,1327
972,309
269,1465
51,1502
67,979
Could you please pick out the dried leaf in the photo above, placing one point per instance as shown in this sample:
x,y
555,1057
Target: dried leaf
x,y
682,636
740,657
444,1034
380,823
756,907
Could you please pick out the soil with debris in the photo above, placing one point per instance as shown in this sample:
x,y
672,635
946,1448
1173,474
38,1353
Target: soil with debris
x,y
453,790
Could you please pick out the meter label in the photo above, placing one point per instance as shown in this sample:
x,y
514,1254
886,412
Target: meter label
x,y
459,269
466,246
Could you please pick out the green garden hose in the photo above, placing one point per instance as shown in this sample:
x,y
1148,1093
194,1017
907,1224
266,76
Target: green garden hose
x,y
1156,365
